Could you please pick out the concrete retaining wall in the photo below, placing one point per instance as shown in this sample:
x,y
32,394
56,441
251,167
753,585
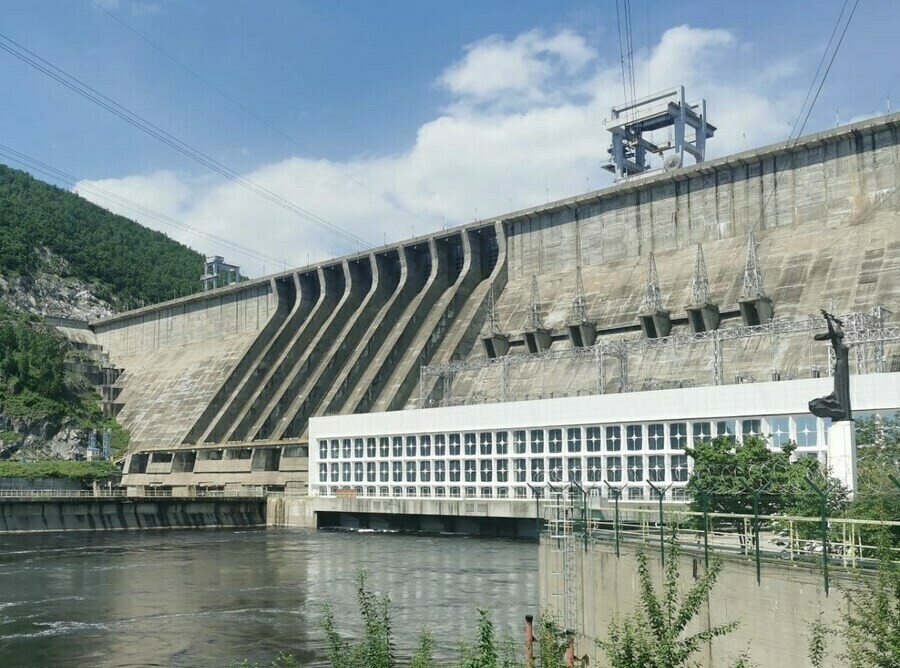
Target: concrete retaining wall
x,y
772,615
110,514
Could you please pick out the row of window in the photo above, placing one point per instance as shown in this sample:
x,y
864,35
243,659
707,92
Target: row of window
x,y
573,440
630,493
614,469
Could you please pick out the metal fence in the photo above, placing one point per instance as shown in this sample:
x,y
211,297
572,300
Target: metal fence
x,y
146,493
569,515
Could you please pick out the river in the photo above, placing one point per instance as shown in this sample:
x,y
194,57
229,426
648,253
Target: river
x,y
204,598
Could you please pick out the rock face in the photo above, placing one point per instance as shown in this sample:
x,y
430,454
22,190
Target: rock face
x,y
47,293
44,438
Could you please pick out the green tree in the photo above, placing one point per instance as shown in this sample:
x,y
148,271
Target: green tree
x,y
872,627
374,649
655,634
878,461
740,477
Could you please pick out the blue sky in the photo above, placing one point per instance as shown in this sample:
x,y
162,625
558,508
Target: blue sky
x,y
405,116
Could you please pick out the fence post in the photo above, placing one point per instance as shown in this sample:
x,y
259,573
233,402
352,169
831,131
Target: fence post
x,y
529,641
756,536
615,491
823,510
704,504
660,493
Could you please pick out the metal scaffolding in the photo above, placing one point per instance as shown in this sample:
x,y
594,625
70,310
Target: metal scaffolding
x,y
867,332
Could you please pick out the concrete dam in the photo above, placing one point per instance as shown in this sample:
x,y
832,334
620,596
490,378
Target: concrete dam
x,y
698,276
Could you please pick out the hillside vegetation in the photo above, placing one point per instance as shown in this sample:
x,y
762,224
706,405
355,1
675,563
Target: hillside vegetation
x,y
127,264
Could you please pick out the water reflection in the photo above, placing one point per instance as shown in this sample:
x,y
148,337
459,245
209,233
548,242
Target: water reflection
x,y
203,598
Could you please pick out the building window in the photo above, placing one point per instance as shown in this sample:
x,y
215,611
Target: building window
x,y
425,491
554,440
487,445
573,439
397,491
537,441
323,472
574,469
519,443
520,470
440,445
594,439
614,438
502,440
383,472
679,468
358,448
487,471
335,448
807,431
410,446
471,447
502,470
656,468
555,469
634,437
383,447
726,428
425,445
702,431
345,449
425,471
537,470
751,428
440,491
410,491
635,493
397,471
410,471
357,472
440,471
454,492
656,436
502,493
370,472
635,469
470,469
398,446
323,449
594,470
678,435
614,469
345,472
454,444
779,431
454,470
487,493
371,449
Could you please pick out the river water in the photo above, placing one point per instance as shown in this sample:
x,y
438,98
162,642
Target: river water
x,y
203,598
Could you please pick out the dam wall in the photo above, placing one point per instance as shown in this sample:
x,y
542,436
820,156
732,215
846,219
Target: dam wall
x,y
252,363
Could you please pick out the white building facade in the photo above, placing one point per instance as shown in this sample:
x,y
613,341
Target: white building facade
x,y
628,442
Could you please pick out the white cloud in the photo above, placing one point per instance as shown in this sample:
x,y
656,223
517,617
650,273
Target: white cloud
x,y
524,123
520,71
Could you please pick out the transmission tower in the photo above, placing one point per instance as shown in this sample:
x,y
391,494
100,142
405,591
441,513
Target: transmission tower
x,y
652,301
700,284
753,282
536,319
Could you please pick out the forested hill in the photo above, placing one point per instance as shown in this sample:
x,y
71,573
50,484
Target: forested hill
x,y
125,263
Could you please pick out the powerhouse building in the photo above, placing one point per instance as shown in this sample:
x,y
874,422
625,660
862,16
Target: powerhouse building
x,y
588,339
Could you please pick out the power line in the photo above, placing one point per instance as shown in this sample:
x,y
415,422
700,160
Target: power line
x,y
137,121
802,126
58,175
206,82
